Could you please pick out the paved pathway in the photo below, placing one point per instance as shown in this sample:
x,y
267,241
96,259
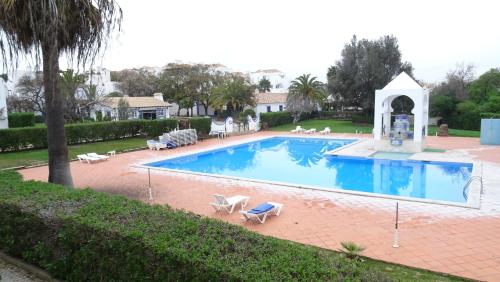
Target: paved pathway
x,y
454,240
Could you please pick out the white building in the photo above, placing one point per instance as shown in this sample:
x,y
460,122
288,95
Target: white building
x,y
279,82
4,123
139,107
270,102
101,77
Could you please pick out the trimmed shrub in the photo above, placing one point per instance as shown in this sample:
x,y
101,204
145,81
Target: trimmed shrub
x,y
21,120
362,118
275,118
76,133
14,139
39,119
201,124
83,235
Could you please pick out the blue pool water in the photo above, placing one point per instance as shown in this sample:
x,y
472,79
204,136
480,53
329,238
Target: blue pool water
x,y
302,161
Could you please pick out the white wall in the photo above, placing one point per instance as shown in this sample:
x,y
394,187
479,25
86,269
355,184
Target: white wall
x,y
4,123
276,78
262,108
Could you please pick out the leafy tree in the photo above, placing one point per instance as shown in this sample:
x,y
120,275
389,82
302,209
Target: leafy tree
x,y
364,67
136,82
175,82
264,85
485,87
234,93
207,81
458,80
189,84
123,109
304,95
443,106
45,29
30,94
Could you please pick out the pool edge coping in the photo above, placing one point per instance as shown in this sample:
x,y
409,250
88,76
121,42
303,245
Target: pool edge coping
x,y
473,202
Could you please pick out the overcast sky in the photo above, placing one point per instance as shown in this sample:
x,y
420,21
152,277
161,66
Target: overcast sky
x,y
305,36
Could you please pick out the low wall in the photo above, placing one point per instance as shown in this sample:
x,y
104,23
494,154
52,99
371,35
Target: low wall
x,y
490,131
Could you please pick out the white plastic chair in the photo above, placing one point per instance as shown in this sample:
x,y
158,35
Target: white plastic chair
x,y
228,204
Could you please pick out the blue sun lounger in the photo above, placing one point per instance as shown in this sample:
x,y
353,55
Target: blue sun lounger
x,y
261,211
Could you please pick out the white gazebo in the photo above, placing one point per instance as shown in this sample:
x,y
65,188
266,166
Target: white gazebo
x,y
403,84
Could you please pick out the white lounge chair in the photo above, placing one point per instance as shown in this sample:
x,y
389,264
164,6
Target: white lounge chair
x,y
101,157
228,204
262,211
151,144
310,131
325,131
88,159
298,129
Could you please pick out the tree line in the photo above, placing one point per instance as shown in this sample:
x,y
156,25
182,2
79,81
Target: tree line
x,y
188,85
461,100
79,98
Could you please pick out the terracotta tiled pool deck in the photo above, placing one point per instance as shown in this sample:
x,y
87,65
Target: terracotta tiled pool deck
x,y
456,240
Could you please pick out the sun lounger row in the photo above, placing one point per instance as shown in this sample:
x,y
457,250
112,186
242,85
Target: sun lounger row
x,y
299,129
91,158
259,213
182,137
174,139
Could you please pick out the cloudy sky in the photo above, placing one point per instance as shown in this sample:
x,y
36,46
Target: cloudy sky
x,y
305,36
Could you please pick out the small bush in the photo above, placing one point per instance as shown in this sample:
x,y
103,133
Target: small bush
x,y
21,120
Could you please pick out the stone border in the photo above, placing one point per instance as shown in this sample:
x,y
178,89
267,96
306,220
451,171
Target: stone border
x,y
31,269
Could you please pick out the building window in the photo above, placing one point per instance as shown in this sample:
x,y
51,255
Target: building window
x,y
277,86
268,109
281,108
160,112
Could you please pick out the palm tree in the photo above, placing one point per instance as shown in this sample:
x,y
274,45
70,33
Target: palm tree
x,y
45,30
69,82
304,95
264,85
234,92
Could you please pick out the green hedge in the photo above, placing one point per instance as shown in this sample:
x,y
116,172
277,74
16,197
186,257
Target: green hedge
x,y
201,124
21,120
36,137
83,235
275,118
362,118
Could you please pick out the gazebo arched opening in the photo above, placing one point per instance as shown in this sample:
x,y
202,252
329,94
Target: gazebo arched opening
x,y
403,133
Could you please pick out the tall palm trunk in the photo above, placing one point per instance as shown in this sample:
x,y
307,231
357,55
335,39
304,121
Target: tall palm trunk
x,y
59,171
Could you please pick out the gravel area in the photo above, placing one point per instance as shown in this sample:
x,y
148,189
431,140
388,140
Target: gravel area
x,y
12,273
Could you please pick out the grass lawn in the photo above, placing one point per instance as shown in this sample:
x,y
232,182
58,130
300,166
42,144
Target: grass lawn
x,y
34,157
339,126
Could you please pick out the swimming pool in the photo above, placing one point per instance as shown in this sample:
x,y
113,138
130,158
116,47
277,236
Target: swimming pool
x,y
302,162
